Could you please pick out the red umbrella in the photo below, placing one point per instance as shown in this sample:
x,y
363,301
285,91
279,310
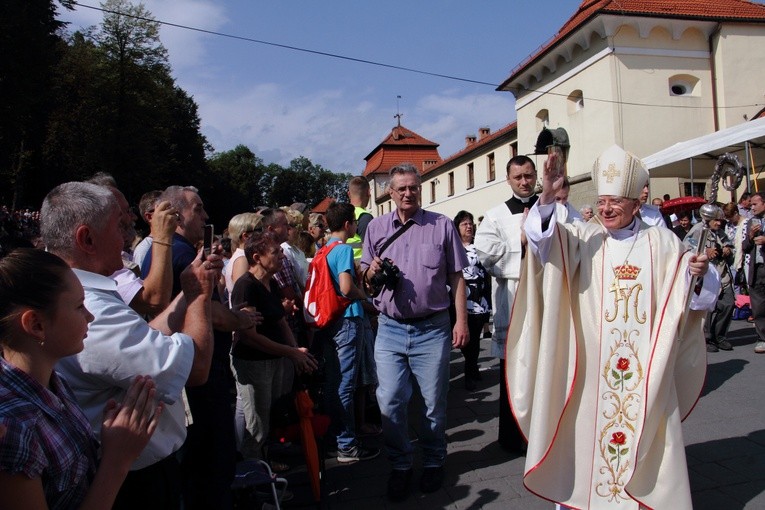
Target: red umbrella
x,y
682,204
304,406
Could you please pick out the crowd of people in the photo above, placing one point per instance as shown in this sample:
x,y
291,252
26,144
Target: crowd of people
x,y
199,344
20,224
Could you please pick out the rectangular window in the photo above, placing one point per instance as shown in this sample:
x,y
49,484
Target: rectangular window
x,y
432,191
451,183
491,169
470,176
696,189
513,149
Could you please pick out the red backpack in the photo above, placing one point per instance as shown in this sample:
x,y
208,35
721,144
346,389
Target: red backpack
x,y
322,304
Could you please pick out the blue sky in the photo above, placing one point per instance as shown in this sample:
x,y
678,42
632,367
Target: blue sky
x,y
284,104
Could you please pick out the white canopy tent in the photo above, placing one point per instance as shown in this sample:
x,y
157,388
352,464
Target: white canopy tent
x,y
696,158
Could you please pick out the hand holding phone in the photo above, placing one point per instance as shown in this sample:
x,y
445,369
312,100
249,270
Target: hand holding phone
x,y
208,241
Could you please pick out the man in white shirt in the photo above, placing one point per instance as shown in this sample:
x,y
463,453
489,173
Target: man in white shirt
x,y
81,223
650,214
562,198
146,208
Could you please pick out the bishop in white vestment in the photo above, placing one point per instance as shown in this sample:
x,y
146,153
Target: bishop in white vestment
x,y
605,366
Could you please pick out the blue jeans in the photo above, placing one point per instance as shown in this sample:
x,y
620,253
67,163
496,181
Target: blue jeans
x,y
342,353
421,350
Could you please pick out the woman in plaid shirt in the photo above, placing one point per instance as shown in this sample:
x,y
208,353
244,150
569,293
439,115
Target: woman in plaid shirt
x,y
48,455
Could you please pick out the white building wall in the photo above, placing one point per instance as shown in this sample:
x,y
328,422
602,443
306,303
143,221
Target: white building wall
x,y
740,68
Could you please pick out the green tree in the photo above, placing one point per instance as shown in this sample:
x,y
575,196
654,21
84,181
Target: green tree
x,y
138,69
130,36
28,45
305,182
79,122
119,109
233,184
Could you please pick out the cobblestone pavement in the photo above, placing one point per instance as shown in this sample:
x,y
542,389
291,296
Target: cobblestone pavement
x,y
724,437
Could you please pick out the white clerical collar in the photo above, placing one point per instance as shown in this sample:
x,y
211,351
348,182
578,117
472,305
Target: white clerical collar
x,y
620,234
524,200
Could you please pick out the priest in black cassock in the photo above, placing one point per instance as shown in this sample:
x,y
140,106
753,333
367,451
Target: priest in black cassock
x,y
501,246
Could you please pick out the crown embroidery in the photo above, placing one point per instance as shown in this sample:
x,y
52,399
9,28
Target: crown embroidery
x,y
626,271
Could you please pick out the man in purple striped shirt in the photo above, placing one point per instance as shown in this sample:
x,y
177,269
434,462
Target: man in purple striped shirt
x,y
414,335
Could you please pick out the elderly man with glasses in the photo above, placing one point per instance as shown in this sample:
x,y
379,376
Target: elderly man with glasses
x,y
604,360
414,336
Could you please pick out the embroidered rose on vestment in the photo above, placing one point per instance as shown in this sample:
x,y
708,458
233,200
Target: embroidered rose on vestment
x,y
618,438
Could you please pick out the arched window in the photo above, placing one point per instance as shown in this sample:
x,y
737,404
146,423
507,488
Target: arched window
x,y
684,85
543,119
575,102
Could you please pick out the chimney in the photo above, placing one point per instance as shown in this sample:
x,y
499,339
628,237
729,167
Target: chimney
x,y
469,140
483,132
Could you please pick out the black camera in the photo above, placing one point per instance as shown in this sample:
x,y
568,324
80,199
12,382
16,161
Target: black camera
x,y
386,276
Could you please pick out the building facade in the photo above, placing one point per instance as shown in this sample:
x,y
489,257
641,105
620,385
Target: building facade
x,y
644,74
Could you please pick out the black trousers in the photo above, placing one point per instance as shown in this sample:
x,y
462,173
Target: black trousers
x,y
757,297
473,348
208,457
510,436
155,487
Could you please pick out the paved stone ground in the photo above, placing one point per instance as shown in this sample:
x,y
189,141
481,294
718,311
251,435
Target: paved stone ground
x,y
724,437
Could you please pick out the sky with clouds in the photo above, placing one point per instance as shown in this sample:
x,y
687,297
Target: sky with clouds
x,y
284,103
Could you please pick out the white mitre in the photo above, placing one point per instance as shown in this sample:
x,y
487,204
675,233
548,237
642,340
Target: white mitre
x,y
619,173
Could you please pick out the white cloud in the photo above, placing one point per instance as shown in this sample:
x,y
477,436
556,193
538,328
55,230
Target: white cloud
x,y
336,129
328,127
451,117
186,47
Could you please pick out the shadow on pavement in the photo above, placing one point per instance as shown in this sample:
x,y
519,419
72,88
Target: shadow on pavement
x,y
727,473
718,373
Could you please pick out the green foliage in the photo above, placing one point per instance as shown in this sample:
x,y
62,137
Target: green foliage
x,y
239,181
111,105
132,40
105,100
305,182
28,44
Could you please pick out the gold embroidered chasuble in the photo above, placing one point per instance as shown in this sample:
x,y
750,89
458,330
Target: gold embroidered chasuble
x,y
598,378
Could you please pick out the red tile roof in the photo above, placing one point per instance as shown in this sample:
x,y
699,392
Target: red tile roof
x,y
474,146
402,145
322,206
712,10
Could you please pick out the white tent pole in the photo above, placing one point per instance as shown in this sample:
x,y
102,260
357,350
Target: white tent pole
x,y
691,160
748,170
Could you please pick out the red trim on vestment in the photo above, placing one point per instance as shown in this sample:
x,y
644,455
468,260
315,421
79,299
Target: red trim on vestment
x,y
507,335
576,365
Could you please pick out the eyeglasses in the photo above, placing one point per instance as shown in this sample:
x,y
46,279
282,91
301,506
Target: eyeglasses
x,y
402,189
615,203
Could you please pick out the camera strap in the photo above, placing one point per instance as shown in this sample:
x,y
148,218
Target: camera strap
x,y
398,233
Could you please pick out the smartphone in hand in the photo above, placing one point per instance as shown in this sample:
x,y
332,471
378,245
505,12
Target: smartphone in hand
x,y
208,240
